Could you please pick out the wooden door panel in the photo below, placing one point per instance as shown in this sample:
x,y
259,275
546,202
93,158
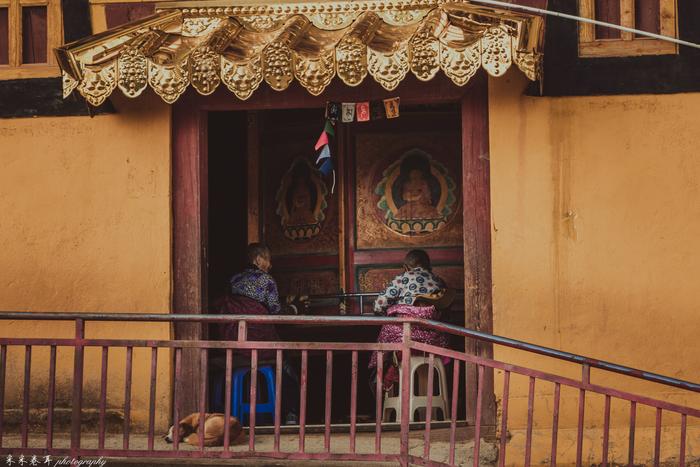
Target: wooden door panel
x,y
405,192
307,282
377,172
375,278
300,216
287,143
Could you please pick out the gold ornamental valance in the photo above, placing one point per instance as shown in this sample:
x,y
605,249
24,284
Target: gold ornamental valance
x,y
209,43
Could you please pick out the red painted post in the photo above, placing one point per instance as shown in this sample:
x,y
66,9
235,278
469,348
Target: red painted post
x,y
152,398
78,362
405,392
504,420
3,367
477,427
24,429
227,402
633,417
429,407
176,398
453,412
586,379
606,430
103,398
657,440
302,402
329,389
353,401
378,402
555,425
681,457
127,397
242,331
202,396
51,397
253,398
278,399
530,410
579,434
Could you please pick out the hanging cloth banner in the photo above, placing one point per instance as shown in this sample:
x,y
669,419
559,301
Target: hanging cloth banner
x,y
362,111
326,167
376,110
324,161
325,153
328,128
348,112
322,140
391,107
333,111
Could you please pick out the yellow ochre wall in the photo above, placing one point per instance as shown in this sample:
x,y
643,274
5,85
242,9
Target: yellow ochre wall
x,y
595,222
595,219
85,226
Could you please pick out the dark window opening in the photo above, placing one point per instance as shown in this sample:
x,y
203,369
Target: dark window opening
x,y
34,36
647,15
4,37
608,11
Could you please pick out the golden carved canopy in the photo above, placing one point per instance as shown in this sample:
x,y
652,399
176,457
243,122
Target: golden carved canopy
x,y
208,43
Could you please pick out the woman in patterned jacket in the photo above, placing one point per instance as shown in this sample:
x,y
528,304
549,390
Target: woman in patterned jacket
x,y
402,299
254,292
418,279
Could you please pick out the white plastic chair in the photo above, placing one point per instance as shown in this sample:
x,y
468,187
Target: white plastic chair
x,y
420,401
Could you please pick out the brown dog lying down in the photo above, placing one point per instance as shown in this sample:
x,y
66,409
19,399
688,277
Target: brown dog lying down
x,y
213,430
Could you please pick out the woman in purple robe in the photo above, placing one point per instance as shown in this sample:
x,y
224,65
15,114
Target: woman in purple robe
x,y
254,292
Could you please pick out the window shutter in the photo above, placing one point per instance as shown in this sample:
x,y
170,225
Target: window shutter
x,y
34,34
4,37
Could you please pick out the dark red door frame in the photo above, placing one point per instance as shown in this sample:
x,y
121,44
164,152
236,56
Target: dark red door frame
x,y
189,178
476,196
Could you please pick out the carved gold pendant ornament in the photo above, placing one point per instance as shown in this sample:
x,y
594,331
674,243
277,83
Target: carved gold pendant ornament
x,y
206,43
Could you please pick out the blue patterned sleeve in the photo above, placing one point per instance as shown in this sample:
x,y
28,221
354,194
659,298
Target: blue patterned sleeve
x,y
389,296
272,297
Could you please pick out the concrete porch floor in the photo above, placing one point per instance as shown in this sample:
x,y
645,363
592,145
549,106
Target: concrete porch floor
x,y
314,443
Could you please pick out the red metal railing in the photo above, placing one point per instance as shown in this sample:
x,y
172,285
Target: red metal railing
x,y
456,450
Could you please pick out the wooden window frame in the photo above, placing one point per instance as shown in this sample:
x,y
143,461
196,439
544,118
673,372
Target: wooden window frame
x,y
627,45
54,36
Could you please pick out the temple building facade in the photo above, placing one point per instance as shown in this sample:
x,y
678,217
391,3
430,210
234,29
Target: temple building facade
x,y
548,166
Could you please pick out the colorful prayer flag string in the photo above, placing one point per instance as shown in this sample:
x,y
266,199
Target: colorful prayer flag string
x,y
349,112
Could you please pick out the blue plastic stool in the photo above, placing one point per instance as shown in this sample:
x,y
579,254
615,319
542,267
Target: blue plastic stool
x,y
241,409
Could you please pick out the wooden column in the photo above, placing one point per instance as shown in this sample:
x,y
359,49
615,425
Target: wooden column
x,y
477,239
189,192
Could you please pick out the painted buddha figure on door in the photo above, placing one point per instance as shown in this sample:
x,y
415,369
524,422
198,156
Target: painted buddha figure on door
x,y
301,201
417,197
417,194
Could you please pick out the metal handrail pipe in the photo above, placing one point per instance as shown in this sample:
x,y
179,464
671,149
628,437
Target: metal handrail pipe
x,y
363,321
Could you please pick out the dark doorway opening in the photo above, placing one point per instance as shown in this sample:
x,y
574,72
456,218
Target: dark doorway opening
x,y
228,201
196,281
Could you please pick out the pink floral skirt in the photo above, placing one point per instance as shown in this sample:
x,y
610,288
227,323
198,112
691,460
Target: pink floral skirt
x,y
393,333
